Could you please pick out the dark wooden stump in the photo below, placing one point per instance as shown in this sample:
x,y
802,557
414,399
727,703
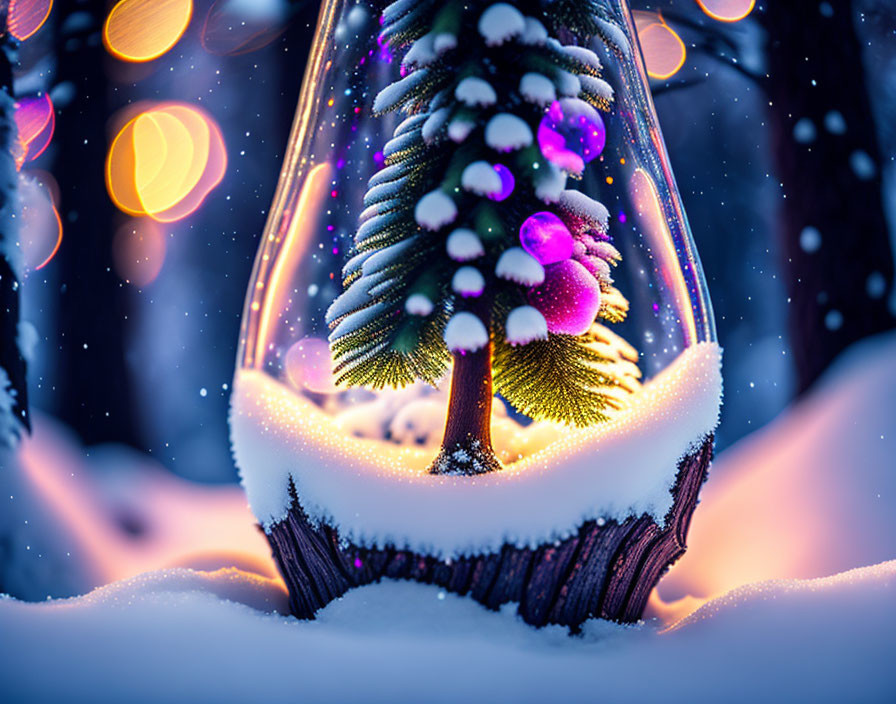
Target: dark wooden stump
x,y
605,570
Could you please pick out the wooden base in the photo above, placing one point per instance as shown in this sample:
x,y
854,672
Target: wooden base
x,y
605,571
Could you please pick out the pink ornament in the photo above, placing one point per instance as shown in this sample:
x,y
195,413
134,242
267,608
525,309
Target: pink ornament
x,y
569,298
546,238
507,182
571,134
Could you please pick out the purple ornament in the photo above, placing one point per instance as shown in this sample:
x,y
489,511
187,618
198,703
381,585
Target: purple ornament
x,y
569,298
571,134
546,238
507,182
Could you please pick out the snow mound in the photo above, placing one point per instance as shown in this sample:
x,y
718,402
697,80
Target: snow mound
x,y
434,210
174,636
474,92
501,22
378,493
465,333
810,494
507,133
538,89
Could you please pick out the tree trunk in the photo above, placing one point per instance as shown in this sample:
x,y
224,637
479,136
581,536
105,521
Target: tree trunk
x,y
12,361
95,391
831,182
467,443
606,570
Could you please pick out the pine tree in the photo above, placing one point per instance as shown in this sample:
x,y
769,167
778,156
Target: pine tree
x,y
470,248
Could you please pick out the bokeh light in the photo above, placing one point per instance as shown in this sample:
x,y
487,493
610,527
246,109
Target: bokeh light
x,y
138,251
143,30
308,365
727,10
664,51
25,17
35,120
40,227
165,161
234,27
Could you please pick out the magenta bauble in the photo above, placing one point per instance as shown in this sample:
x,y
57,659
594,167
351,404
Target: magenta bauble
x,y
546,238
507,182
569,298
571,134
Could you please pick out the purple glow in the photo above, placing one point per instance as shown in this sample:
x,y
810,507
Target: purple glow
x,y
569,298
571,141
546,238
378,158
622,217
507,182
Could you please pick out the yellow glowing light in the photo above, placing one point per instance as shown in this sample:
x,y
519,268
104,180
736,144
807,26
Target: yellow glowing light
x,y
295,241
25,17
165,161
663,50
727,10
143,30
138,251
647,202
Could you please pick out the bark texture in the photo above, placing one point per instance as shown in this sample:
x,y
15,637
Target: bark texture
x,y
606,570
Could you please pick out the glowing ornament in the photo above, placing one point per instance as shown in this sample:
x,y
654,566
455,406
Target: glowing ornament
x,y
508,182
571,134
546,238
568,299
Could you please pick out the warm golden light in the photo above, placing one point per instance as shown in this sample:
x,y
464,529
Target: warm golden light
x,y
138,251
26,17
664,51
143,30
165,161
35,122
727,10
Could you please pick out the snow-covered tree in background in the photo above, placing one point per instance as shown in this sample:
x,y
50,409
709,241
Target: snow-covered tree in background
x,y
470,247
13,399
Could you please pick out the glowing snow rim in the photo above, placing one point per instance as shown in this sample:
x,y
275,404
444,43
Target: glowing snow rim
x,y
378,494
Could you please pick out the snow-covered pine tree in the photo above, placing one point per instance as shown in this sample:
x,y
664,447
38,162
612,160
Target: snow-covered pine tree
x,y
13,389
470,248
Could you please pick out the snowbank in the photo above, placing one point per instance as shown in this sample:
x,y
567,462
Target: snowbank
x,y
811,494
74,518
186,636
380,494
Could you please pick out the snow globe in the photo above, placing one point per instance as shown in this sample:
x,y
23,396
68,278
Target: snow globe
x,y
477,349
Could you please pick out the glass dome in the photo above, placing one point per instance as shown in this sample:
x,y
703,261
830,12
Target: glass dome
x,y
337,145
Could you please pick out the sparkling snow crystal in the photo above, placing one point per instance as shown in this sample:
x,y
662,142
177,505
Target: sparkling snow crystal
x,y
481,178
464,245
473,91
515,264
501,22
506,132
525,324
465,333
434,210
